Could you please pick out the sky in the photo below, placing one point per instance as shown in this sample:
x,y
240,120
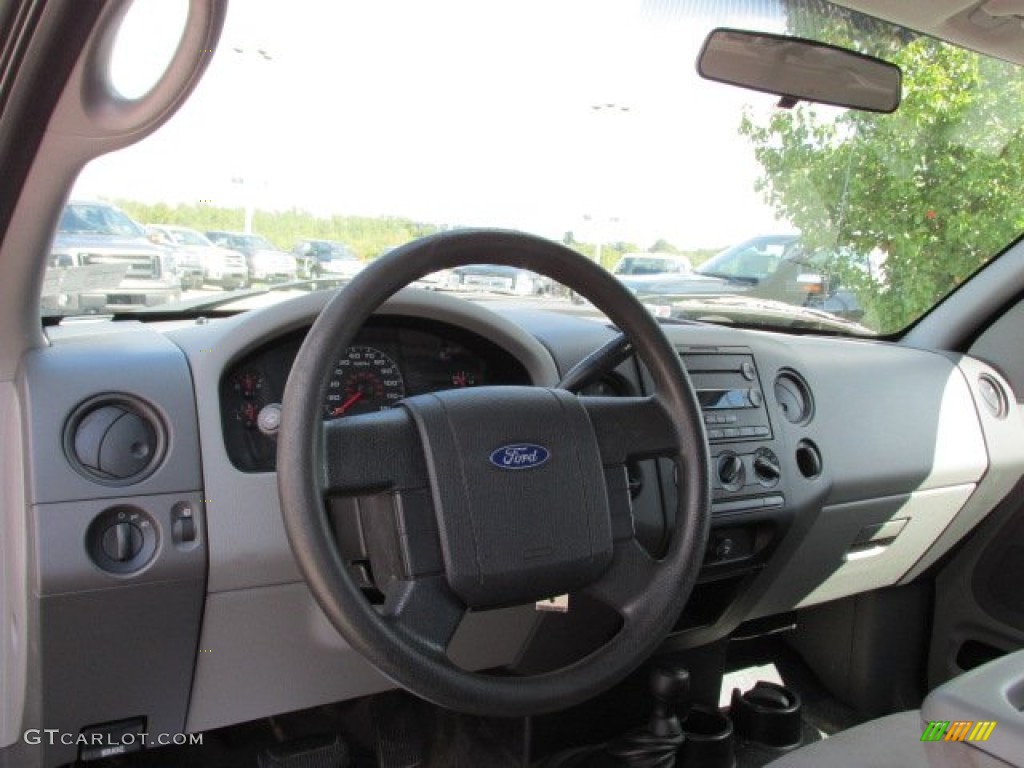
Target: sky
x,y
580,115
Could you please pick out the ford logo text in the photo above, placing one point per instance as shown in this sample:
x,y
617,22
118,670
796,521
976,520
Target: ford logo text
x,y
522,456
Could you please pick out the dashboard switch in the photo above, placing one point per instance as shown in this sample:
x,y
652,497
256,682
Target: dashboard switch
x,y
122,539
183,523
122,542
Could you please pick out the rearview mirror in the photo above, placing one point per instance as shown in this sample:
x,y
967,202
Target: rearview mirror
x,y
800,70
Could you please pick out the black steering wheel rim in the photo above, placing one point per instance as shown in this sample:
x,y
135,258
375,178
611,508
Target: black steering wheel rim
x,y
403,656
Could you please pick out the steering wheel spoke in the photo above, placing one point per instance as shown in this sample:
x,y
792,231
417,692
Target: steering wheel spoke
x,y
425,610
625,582
372,452
631,428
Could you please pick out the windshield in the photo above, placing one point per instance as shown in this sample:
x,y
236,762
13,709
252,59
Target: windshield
x,y
586,122
188,237
79,218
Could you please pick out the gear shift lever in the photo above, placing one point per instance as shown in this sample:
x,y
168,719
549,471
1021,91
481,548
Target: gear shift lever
x,y
656,744
670,688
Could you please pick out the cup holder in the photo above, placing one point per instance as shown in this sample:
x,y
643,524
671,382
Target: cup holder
x,y
768,714
708,740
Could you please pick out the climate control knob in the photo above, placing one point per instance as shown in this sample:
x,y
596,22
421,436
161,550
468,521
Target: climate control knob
x,y
730,471
766,467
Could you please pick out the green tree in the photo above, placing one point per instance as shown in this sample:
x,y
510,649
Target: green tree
x,y
661,245
933,190
367,236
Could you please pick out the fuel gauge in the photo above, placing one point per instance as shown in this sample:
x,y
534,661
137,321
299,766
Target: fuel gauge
x,y
248,383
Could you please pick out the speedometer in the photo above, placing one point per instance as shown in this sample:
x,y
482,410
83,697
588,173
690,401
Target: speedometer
x,y
364,380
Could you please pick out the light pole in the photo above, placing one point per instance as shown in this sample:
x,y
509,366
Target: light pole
x,y
245,181
599,232
248,202
610,135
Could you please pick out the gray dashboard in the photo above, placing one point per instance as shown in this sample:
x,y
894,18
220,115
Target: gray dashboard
x,y
846,466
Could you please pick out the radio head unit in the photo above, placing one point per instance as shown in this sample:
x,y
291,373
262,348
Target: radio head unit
x,y
729,391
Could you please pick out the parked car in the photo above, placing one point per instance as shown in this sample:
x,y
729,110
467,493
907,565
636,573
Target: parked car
x,y
773,267
636,270
326,257
265,262
91,234
200,259
499,279
441,280
649,264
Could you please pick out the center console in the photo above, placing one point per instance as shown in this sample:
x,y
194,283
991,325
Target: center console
x,y
746,471
978,716
747,475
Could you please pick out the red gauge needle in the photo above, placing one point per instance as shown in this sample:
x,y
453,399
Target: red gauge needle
x,y
348,404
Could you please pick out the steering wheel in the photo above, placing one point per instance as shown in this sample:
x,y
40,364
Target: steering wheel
x,y
490,496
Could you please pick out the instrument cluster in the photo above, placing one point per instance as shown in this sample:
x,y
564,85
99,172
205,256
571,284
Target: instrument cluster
x,y
390,359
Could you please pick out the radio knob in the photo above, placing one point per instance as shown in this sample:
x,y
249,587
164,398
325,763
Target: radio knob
x,y
730,471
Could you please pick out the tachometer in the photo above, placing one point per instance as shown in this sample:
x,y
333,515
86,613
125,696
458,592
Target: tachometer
x,y
364,380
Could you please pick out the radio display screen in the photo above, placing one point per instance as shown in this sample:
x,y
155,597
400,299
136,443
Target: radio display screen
x,y
715,399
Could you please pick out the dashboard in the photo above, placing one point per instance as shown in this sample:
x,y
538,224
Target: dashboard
x,y
839,466
390,359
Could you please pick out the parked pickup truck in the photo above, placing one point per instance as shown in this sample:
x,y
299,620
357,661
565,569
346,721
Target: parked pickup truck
x,y
201,259
266,263
94,235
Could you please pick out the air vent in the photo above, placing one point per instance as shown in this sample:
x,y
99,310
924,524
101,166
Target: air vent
x,y
993,396
794,397
114,439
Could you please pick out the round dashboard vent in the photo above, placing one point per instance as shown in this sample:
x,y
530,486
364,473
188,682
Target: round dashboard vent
x,y
794,397
993,396
114,439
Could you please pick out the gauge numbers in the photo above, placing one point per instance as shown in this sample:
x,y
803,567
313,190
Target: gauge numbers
x,y
363,381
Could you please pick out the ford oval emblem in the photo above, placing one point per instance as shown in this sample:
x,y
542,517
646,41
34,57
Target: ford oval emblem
x,y
521,456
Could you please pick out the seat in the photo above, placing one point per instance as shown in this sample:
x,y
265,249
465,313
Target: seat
x,y
992,694
889,742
